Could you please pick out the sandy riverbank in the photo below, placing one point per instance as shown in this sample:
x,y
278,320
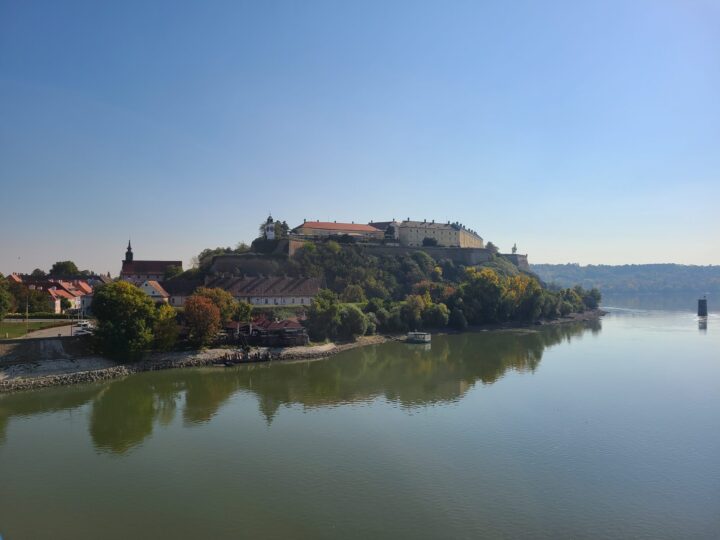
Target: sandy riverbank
x,y
46,373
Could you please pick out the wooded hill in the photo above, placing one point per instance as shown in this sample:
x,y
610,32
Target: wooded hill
x,y
633,278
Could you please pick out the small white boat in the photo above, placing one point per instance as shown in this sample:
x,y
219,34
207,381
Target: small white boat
x,y
418,337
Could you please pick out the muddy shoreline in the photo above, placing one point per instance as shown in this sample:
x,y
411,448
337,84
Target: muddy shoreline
x,y
61,372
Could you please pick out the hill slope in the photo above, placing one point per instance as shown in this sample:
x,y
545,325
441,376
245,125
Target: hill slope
x,y
633,278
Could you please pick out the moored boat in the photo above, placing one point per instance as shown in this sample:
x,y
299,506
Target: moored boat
x,y
418,337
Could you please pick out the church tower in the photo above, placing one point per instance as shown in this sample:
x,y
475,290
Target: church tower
x,y
270,228
129,253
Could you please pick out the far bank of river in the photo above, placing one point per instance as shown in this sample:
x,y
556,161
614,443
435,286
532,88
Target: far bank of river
x,y
87,369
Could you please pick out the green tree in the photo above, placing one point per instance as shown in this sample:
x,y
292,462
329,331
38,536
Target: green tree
x,y
492,248
202,317
64,268
436,315
224,301
481,295
125,317
457,319
65,304
412,310
592,298
6,301
38,273
353,322
166,328
243,312
323,316
35,301
354,294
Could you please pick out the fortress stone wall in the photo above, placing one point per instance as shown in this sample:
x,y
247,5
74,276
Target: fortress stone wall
x,y
466,256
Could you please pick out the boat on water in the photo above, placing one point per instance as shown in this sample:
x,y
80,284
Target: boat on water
x,y
418,337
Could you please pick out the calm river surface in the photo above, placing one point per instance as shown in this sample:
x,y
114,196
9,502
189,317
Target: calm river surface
x,y
601,430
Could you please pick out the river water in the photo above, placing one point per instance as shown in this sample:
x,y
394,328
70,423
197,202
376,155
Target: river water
x,y
608,429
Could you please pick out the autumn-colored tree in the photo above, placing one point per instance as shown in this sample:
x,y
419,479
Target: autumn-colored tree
x,y
222,299
202,317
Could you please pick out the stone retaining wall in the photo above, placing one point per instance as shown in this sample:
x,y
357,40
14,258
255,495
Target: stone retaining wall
x,y
33,350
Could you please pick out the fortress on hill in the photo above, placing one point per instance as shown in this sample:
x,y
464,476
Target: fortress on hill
x,y
405,233
446,240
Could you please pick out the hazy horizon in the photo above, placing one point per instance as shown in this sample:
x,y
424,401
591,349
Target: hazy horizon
x,y
584,133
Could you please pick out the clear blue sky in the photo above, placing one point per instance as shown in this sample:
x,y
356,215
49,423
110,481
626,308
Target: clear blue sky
x,y
584,131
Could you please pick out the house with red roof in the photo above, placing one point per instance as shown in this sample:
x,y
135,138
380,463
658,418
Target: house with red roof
x,y
155,291
138,272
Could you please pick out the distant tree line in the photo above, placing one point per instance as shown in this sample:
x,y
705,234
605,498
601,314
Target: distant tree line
x,y
633,278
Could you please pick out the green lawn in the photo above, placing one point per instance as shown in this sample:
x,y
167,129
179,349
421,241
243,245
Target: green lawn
x,y
11,330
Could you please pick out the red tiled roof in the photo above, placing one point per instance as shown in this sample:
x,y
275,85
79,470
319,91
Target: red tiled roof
x,y
157,287
326,225
67,290
59,293
285,324
147,267
181,286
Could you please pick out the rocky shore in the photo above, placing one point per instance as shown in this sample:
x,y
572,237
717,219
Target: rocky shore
x,y
89,369
46,373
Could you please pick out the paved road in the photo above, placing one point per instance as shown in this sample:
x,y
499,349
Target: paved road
x,y
50,332
22,321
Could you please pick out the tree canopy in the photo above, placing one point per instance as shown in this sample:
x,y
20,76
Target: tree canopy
x,y
125,316
64,268
202,317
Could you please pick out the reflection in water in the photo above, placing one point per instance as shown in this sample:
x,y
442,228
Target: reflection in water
x,y
677,301
702,324
123,412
